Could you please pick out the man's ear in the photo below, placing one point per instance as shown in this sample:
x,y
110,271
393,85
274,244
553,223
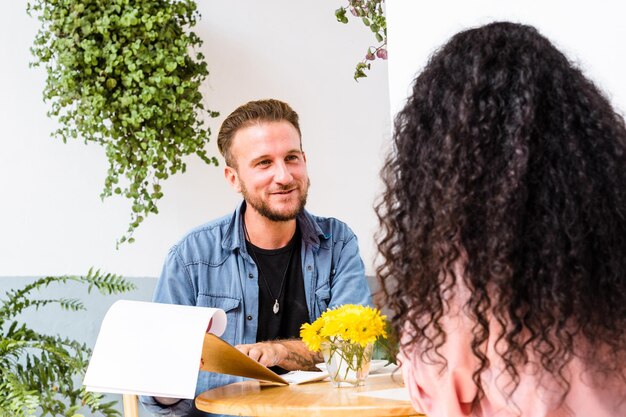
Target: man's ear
x,y
232,178
304,157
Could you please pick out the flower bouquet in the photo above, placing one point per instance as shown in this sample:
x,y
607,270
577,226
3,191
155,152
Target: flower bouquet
x,y
345,336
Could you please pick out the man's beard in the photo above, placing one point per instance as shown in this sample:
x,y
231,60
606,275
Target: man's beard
x,y
266,211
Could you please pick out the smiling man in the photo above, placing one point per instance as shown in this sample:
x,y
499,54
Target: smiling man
x,y
271,265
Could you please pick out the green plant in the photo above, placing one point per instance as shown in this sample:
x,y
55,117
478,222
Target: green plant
x,y
388,347
38,372
121,74
372,14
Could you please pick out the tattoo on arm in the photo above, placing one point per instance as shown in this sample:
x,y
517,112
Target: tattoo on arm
x,y
299,357
305,362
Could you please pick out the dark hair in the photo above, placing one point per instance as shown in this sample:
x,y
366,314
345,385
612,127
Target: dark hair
x,y
253,112
508,162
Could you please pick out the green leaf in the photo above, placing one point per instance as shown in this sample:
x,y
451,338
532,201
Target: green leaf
x,y
359,74
340,14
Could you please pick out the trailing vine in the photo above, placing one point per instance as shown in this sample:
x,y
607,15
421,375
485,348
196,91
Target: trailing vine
x,y
121,74
372,14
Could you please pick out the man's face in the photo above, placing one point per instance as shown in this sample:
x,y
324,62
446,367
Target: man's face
x,y
270,169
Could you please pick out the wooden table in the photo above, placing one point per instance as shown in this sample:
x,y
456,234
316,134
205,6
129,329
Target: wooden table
x,y
253,398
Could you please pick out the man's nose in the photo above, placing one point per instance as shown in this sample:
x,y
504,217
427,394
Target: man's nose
x,y
282,174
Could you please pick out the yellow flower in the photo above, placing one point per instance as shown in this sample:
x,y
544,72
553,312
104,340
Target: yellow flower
x,y
351,323
310,334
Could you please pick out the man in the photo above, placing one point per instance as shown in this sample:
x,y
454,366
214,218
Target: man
x,y
271,265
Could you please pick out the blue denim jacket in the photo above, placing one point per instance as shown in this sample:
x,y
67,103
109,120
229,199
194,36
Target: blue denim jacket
x,y
210,267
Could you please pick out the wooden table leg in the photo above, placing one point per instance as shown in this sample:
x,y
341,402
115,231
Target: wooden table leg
x,y
131,405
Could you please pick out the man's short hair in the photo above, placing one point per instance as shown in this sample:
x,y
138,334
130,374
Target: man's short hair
x,y
269,110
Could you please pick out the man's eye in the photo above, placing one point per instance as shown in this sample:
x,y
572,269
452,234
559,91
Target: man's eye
x,y
264,162
292,158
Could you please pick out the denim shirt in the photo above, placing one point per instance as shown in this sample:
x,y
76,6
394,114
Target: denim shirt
x,y
210,267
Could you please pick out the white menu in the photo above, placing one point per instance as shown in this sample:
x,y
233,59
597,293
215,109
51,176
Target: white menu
x,y
151,348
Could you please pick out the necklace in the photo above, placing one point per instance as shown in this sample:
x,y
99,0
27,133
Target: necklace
x,y
276,307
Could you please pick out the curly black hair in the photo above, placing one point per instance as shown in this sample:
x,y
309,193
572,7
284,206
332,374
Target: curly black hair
x,y
507,160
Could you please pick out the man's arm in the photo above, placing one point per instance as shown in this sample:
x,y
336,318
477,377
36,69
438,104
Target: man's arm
x,y
291,355
349,284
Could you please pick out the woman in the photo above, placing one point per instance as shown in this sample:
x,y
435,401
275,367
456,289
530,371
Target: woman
x,y
503,233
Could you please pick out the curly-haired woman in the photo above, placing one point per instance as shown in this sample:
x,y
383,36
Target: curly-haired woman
x,y
503,233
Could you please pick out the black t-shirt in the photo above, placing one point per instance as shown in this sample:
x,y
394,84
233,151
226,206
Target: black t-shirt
x,y
293,311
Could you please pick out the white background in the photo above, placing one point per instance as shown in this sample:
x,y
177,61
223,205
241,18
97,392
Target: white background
x,y
591,33
52,220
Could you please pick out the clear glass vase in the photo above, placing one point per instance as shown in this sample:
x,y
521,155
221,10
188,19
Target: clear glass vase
x,y
348,364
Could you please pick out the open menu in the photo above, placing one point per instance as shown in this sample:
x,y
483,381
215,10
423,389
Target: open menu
x,y
219,356
156,349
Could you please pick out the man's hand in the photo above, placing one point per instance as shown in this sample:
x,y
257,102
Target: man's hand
x,y
291,355
267,353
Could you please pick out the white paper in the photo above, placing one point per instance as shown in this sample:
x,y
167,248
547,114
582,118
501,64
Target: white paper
x,y
151,348
302,377
401,394
389,368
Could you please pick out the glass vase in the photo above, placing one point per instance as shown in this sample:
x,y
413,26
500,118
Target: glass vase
x,y
348,364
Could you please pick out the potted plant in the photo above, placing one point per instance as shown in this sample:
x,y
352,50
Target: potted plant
x,y
123,74
372,14
42,374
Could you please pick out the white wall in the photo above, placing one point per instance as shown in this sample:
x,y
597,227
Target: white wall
x,y
51,218
591,33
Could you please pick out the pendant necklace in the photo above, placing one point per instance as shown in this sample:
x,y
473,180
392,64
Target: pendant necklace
x,y
276,307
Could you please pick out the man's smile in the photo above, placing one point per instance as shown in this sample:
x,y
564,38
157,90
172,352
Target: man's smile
x,y
283,192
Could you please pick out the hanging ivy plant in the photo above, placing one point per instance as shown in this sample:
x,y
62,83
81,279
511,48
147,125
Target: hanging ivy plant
x,y
372,14
121,74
